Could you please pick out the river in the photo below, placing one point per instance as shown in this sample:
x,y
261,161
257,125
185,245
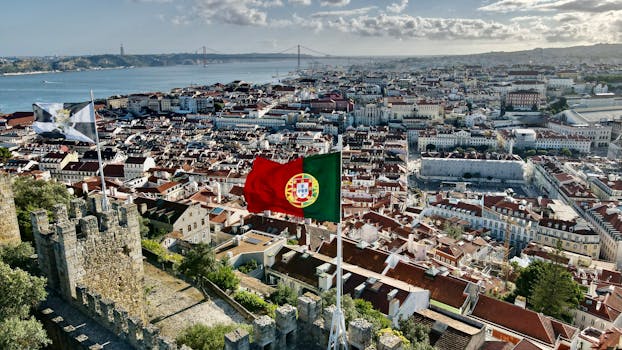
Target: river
x,y
19,92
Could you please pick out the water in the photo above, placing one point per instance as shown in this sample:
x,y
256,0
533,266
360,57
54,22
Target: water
x,y
18,93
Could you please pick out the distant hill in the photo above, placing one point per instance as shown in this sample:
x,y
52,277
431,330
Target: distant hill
x,y
71,63
599,53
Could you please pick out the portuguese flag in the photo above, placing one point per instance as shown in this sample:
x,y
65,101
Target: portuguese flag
x,y
308,187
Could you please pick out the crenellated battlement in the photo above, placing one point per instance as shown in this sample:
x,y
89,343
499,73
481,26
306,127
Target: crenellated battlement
x,y
100,249
306,327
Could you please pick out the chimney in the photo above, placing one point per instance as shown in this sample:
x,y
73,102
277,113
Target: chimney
x,y
85,188
270,261
394,308
298,231
520,301
599,304
411,243
592,289
219,190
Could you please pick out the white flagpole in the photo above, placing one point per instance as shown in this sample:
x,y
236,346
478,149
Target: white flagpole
x,y
338,335
99,157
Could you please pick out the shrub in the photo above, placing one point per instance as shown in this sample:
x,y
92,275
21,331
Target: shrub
x,y
252,302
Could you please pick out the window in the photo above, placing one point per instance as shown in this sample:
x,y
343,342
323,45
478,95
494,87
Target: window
x,y
189,228
194,225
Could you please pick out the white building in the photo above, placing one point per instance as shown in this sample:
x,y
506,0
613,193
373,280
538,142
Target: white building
x,y
451,140
452,166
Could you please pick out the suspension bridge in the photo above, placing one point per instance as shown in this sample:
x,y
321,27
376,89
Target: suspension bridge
x,y
298,51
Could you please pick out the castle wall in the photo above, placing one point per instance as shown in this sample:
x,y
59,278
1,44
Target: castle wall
x,y
98,249
9,229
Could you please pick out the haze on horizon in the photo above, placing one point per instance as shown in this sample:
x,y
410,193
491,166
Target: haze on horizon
x,y
337,27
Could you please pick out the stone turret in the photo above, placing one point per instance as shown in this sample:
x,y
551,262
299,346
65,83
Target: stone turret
x,y
99,250
309,331
9,229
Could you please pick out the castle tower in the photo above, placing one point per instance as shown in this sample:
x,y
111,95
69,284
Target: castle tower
x,y
97,249
9,229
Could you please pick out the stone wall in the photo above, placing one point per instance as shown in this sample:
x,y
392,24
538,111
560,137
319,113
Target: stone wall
x,y
98,249
306,327
140,335
9,229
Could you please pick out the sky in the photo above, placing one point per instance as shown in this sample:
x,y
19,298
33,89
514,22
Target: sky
x,y
336,27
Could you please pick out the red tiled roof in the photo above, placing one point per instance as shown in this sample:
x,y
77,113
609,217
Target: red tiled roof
x,y
367,258
525,345
445,289
515,318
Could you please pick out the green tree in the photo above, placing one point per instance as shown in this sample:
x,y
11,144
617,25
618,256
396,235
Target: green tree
x,y
453,231
224,277
201,263
22,334
31,194
144,226
18,255
527,279
5,154
203,337
284,295
19,293
566,152
417,334
555,292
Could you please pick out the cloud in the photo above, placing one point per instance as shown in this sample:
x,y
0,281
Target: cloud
x,y
239,12
344,13
405,26
269,3
180,20
397,7
591,6
300,2
334,2
153,1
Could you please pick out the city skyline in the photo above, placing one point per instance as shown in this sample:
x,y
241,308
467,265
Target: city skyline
x,y
336,27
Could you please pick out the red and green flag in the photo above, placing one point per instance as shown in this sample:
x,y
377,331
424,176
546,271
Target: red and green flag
x,y
308,187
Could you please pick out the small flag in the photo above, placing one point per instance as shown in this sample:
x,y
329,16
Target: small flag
x,y
70,121
308,187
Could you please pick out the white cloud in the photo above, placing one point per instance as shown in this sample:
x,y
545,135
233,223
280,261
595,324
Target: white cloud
x,y
154,1
405,26
269,3
593,6
345,13
300,2
397,7
239,12
334,2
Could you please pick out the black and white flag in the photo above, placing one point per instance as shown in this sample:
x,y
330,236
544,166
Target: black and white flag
x,y
70,121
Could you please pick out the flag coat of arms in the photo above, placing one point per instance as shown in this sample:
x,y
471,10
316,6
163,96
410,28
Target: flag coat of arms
x,y
308,187
70,121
